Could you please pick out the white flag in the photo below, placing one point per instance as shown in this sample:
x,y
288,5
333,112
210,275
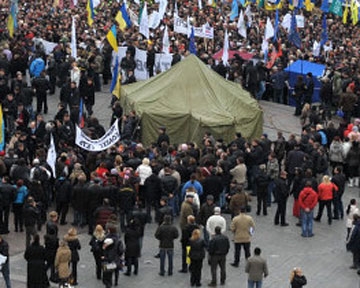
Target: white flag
x,y
264,46
73,39
316,49
200,4
176,12
165,41
241,25
144,22
188,26
162,8
286,23
248,14
96,3
75,2
269,29
225,56
51,155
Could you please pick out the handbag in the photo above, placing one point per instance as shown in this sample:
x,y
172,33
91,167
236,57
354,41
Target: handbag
x,y
109,267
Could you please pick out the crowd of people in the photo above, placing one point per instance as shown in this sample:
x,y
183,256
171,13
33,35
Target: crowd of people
x,y
123,188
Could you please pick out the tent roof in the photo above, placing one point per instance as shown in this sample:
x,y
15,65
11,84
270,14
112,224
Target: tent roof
x,y
304,67
191,89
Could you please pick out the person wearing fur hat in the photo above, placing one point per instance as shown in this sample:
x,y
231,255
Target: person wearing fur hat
x,y
74,244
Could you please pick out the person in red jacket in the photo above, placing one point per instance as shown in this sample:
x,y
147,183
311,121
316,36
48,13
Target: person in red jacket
x,y
326,190
308,199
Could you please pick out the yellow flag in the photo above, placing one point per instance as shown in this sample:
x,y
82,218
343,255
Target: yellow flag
x,y
346,13
117,89
309,5
354,12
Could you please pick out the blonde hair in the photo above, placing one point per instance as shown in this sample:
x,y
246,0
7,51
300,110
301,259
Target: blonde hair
x,y
99,232
293,272
326,179
146,161
195,235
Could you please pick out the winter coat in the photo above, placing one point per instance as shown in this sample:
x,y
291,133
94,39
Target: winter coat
x,y
281,191
354,239
353,156
144,172
7,194
74,245
126,199
206,211
132,243
350,217
166,233
62,260
63,190
21,194
197,249
238,200
153,188
326,191
241,226
298,281
102,215
239,173
35,255
308,198
79,197
219,245
51,245
31,215
113,252
256,267
37,66
96,244
186,210
336,152
187,232
272,169
294,159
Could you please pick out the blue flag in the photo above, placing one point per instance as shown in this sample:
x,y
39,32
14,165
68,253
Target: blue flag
x,y
234,10
115,75
276,28
325,6
294,37
324,35
192,46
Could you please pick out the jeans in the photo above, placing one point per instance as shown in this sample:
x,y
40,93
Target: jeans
x,y
6,274
307,223
252,284
206,237
261,90
170,253
270,191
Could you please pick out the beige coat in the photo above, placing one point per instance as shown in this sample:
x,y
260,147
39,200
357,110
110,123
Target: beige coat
x,y
62,260
186,210
238,200
239,173
241,226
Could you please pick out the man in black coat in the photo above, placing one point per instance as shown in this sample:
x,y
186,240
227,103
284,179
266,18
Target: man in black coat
x,y
7,195
163,137
166,233
31,218
206,210
339,180
5,270
281,192
126,201
94,199
152,195
41,85
63,190
219,247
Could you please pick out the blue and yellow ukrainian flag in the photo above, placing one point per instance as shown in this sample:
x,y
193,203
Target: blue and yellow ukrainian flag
x,y
12,23
122,17
111,37
90,12
115,85
2,131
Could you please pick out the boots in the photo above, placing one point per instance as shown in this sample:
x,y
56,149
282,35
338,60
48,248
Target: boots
x,y
351,182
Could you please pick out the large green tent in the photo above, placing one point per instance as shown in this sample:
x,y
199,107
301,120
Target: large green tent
x,y
190,99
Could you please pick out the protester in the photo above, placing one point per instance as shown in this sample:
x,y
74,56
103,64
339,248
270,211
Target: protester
x,y
256,267
219,247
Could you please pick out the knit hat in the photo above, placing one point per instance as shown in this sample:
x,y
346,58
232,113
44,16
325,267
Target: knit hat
x,y
217,210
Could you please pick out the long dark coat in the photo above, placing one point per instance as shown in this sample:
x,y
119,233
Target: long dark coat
x,y
35,255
